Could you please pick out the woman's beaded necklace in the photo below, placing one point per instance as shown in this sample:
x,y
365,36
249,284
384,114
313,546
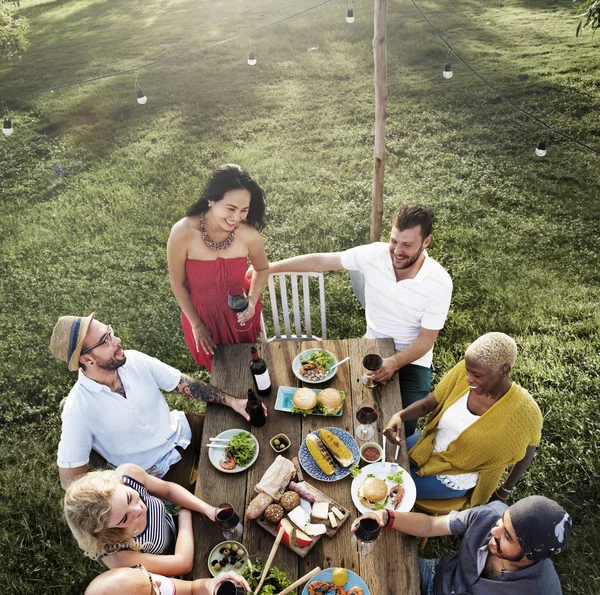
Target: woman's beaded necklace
x,y
211,243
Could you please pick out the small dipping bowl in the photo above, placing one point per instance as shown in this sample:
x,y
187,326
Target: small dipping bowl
x,y
283,439
370,452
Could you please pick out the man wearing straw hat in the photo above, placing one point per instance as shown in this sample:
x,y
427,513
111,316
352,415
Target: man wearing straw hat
x,y
116,409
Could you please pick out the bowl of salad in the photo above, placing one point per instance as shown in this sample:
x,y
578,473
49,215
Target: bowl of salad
x,y
278,578
313,366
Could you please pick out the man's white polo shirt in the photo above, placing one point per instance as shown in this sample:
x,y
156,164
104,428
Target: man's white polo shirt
x,y
399,309
138,429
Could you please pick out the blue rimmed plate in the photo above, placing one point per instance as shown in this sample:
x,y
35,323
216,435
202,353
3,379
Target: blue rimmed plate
x,y
217,453
353,581
309,465
284,400
298,362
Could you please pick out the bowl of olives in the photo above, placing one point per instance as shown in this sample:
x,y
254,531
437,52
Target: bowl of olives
x,y
227,555
280,443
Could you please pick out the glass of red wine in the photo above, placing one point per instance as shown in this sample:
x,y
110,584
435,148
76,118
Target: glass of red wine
x,y
237,300
371,363
365,534
228,520
230,588
366,414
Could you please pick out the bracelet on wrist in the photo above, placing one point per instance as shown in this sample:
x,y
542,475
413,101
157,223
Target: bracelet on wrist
x,y
390,520
510,492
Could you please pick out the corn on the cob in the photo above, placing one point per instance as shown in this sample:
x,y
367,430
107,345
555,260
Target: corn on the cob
x,y
337,448
320,454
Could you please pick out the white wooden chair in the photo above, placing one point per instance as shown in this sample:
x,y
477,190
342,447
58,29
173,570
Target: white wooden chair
x,y
281,299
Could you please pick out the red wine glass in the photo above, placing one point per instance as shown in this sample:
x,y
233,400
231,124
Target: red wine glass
x,y
228,520
367,531
366,414
371,363
237,300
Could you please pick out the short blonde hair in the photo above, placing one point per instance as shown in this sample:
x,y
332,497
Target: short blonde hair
x,y
87,506
493,350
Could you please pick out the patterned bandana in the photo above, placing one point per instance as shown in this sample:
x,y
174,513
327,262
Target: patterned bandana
x,y
542,526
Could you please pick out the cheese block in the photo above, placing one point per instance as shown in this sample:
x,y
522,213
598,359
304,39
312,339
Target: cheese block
x,y
298,517
338,514
301,539
333,520
320,511
311,529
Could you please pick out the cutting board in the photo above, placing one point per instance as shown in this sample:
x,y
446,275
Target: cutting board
x,y
302,551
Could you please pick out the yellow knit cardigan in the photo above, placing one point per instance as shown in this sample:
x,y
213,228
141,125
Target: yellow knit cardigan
x,y
498,438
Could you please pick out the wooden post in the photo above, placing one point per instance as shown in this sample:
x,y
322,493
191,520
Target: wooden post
x,y
380,62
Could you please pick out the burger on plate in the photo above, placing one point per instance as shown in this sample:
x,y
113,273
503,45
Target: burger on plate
x,y
373,493
304,401
331,401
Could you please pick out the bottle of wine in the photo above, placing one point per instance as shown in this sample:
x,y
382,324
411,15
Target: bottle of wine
x,y
260,374
255,410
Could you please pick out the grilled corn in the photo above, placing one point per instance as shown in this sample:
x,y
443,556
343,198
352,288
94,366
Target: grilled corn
x,y
320,454
337,448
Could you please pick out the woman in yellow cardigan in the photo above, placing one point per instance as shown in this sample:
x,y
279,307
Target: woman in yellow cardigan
x,y
479,423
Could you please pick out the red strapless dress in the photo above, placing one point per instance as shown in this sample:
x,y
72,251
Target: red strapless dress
x,y
208,282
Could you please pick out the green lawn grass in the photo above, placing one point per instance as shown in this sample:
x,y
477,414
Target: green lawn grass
x,y
518,234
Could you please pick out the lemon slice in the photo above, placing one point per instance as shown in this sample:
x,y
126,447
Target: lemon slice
x,y
339,577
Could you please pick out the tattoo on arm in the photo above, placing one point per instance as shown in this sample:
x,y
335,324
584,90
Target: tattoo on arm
x,y
201,392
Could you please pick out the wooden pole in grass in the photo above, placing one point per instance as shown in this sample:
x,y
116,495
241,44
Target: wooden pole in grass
x,y
379,54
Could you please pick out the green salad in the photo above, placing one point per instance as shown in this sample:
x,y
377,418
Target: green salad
x,y
397,478
319,357
242,448
275,581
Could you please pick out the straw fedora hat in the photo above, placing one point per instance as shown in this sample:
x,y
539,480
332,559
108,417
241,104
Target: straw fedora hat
x,y
67,338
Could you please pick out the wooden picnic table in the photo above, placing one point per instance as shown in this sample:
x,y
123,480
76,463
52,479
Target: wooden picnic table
x,y
391,568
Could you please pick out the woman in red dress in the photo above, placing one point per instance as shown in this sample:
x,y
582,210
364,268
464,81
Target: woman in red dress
x,y
208,252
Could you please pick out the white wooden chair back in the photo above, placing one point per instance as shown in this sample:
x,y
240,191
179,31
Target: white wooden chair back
x,y
299,322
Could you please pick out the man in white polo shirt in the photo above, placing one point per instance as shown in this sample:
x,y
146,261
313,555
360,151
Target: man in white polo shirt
x,y
116,410
407,296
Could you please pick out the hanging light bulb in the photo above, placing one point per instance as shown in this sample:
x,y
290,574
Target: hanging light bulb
x,y
448,71
251,58
7,130
350,16
141,98
541,149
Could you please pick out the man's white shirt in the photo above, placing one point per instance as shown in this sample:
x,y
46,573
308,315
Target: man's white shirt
x,y
399,309
137,429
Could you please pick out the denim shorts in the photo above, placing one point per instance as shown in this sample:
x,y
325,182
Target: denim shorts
x,y
427,569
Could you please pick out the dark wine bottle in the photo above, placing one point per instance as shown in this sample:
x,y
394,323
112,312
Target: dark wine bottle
x,y
260,374
255,410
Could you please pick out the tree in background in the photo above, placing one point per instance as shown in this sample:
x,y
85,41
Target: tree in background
x,y
12,33
590,17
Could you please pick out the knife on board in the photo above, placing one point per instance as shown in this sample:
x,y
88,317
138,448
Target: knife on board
x,y
306,505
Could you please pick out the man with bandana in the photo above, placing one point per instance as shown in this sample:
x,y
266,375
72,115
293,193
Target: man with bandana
x,y
504,550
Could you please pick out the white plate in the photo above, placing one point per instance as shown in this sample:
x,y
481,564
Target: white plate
x,y
217,453
381,471
297,363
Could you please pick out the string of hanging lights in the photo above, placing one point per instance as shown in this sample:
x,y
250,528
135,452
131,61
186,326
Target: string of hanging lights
x,y
542,146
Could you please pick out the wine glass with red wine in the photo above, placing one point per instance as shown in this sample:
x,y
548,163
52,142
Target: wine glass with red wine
x,y
371,363
365,534
228,520
230,588
237,300
366,414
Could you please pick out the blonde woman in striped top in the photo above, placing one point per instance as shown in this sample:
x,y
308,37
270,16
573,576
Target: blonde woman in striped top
x,y
118,517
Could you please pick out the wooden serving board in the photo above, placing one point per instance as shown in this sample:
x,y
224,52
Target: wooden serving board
x,y
331,531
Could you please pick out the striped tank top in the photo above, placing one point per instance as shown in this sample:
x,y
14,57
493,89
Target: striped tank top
x,y
160,533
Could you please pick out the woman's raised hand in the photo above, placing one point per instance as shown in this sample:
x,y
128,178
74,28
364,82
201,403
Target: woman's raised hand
x,y
203,339
393,431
